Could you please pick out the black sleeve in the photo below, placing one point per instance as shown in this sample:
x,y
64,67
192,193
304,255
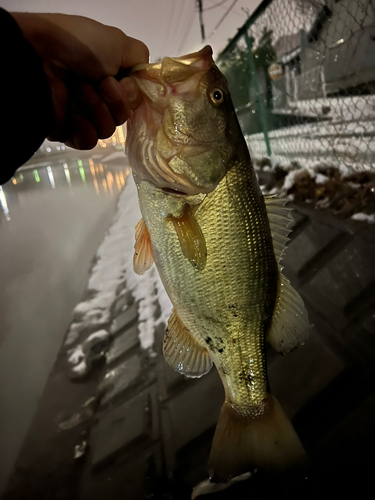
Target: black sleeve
x,y
27,114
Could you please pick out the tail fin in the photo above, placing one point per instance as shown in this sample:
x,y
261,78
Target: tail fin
x,y
242,443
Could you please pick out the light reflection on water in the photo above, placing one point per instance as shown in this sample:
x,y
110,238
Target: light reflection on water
x,y
105,180
4,204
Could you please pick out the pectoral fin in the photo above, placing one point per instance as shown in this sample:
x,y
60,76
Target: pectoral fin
x,y
193,244
143,256
182,351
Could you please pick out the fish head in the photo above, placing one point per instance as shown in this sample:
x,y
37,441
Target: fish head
x,y
180,138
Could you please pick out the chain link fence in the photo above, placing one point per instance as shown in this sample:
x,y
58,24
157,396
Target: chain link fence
x,y
302,78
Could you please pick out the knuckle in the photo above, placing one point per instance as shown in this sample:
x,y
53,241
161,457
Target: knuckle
x,y
107,131
85,141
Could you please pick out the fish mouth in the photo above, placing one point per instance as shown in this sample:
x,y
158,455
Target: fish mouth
x,y
172,70
161,152
173,191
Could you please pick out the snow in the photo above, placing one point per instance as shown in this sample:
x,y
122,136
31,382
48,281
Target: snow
x,y
100,335
81,355
207,487
81,369
289,180
336,109
112,272
76,355
102,301
370,218
80,449
321,179
147,289
346,145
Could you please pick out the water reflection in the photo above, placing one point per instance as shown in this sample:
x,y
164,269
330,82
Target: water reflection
x,y
74,174
51,177
67,174
4,204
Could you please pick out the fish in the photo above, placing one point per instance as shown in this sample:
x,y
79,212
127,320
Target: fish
x,y
217,242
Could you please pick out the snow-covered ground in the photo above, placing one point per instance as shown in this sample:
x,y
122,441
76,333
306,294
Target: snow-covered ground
x,y
112,273
349,146
334,108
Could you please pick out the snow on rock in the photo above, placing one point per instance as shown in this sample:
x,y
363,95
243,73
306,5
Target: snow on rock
x,y
74,332
112,272
101,301
346,145
370,218
321,179
76,355
80,370
207,487
292,176
147,289
92,319
82,355
100,335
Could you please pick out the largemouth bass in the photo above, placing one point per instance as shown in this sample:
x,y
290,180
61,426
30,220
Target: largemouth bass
x,y
217,243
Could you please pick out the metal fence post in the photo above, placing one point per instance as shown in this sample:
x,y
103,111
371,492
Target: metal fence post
x,y
253,78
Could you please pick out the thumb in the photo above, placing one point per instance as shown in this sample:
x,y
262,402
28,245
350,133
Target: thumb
x,y
133,52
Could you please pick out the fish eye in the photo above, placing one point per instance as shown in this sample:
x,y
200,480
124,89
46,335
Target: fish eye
x,y
217,96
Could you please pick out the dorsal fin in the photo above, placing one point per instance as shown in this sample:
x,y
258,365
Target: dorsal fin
x,y
279,219
143,256
290,324
193,244
182,351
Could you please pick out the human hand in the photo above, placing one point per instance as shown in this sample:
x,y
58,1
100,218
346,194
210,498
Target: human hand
x,y
81,59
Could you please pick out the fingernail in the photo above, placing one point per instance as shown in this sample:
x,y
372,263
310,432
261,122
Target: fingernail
x,y
131,90
111,89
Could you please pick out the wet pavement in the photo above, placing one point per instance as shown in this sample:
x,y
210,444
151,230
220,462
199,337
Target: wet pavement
x,y
53,216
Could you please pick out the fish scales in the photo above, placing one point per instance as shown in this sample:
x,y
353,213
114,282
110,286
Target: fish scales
x,y
231,301
216,242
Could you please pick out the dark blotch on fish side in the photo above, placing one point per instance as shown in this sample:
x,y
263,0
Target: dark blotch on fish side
x,y
245,376
210,343
233,309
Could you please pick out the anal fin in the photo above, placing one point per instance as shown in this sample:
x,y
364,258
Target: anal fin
x,y
143,256
182,351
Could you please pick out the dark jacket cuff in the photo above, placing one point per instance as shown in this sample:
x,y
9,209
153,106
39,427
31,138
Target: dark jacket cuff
x,y
27,112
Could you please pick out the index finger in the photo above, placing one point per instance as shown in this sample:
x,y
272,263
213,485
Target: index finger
x,y
133,52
